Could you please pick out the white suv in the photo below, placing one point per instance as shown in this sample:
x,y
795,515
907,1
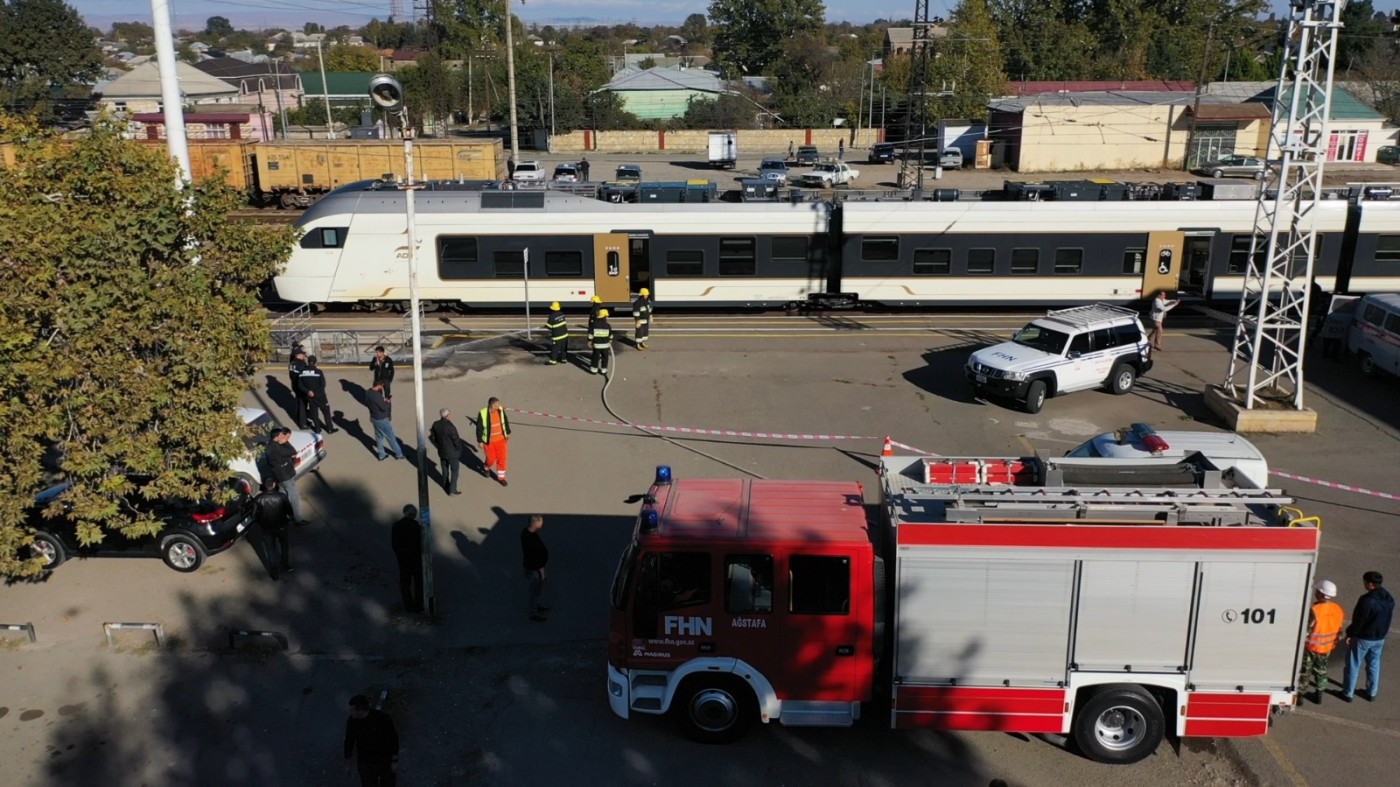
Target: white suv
x,y
528,172
1099,346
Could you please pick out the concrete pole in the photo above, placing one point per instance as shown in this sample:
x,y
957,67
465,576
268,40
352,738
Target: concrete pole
x,y
416,320
325,93
510,79
170,98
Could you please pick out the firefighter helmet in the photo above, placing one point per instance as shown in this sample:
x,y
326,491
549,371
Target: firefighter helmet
x,y
645,291
554,307
1327,588
596,299
603,313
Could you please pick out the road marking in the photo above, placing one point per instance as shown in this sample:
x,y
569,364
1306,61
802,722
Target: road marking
x,y
1026,444
1356,725
1283,762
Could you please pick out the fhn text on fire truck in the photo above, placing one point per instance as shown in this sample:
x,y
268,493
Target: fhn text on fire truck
x,y
1110,602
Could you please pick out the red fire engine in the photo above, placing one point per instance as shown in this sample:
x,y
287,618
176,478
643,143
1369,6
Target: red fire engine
x,y
1108,602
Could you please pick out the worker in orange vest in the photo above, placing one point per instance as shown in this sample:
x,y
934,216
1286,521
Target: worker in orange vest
x,y
1324,630
493,434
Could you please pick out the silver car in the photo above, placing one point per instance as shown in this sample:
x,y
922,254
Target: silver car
x,y
774,169
1234,167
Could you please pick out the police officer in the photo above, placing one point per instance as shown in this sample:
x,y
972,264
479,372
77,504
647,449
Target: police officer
x,y
641,315
382,366
593,312
294,369
558,334
313,388
600,338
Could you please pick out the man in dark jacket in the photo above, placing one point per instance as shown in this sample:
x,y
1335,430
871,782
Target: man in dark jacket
x,y
274,516
313,387
448,442
370,737
382,366
281,462
381,417
294,369
407,540
1370,623
535,558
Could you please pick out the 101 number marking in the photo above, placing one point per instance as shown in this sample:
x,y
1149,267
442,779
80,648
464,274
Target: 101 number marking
x,y
1257,616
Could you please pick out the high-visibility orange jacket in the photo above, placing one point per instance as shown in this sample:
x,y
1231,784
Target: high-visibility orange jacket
x,y
1327,627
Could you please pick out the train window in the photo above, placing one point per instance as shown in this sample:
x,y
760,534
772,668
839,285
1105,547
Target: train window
x,y
1068,261
1025,262
509,264
819,585
790,248
736,257
1133,260
748,584
1239,254
685,262
457,258
981,262
1388,248
879,249
933,262
324,238
563,263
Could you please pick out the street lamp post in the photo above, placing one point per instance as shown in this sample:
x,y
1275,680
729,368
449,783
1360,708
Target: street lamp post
x,y
510,85
387,94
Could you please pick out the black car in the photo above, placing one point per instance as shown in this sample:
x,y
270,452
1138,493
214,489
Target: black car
x,y
882,153
191,533
808,156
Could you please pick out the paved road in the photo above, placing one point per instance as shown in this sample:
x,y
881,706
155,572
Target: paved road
x,y
485,695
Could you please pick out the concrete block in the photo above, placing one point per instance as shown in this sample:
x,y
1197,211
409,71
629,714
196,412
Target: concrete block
x,y
1267,418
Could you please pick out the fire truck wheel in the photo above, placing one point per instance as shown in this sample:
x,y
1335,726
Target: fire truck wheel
x,y
716,710
1119,725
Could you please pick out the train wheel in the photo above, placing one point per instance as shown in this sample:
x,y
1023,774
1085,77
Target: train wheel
x,y
287,201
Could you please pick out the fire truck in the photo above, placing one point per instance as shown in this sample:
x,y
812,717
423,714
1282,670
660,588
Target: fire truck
x,y
1109,602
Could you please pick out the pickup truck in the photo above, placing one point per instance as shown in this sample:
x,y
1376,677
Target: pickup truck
x,y
832,173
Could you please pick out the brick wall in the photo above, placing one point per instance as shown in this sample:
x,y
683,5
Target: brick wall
x,y
751,142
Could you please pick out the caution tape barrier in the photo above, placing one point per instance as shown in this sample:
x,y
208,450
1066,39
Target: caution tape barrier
x,y
690,430
1360,490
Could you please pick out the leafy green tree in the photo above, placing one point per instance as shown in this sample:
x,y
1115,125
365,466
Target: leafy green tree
x,y
129,329
139,37
429,89
1043,39
749,34
1361,34
723,111
352,58
218,27
311,27
969,64
44,46
695,30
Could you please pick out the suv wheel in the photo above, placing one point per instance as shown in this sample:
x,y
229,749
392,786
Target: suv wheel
x,y
1368,365
182,553
47,548
1121,380
1035,396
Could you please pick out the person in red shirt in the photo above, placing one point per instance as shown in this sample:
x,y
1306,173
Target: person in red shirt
x,y
493,434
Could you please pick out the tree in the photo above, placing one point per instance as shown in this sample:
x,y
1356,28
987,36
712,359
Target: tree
x,y
695,30
749,34
723,111
139,37
351,58
968,64
128,332
218,27
1360,35
44,46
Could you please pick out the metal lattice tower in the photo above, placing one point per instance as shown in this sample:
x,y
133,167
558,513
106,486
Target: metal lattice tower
x,y
396,10
916,115
1267,357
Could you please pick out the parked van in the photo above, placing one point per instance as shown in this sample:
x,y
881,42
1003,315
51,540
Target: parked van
x,y
1374,337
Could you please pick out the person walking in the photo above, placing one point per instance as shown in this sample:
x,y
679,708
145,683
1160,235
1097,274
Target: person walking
x,y
840,149
372,739
493,434
790,149
536,561
583,168
597,306
313,387
281,463
449,446
641,315
558,334
294,370
381,412
274,516
1324,630
1160,307
382,367
406,537
600,339
1370,623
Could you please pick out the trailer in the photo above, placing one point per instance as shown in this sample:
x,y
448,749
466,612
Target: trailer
x,y
1113,604
724,149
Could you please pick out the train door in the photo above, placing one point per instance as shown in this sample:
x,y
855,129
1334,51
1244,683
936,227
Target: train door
x,y
610,266
639,261
1163,269
1196,263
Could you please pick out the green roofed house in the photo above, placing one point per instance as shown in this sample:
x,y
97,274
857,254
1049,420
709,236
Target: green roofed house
x,y
342,87
1355,131
662,93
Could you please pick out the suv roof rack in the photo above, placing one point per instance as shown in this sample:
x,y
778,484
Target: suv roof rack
x,y
1093,314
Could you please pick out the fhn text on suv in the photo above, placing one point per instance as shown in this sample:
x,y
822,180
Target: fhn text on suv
x,y
1098,346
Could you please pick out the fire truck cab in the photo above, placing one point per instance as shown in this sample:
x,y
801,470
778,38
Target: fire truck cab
x,y
1023,595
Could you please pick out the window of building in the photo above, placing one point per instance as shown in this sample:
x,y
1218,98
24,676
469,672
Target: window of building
x,y
1025,262
879,249
563,263
736,257
933,262
790,248
1388,248
685,262
457,258
748,584
820,585
981,262
509,264
1133,260
1068,262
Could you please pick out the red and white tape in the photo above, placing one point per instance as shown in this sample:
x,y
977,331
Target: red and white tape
x,y
690,430
1360,490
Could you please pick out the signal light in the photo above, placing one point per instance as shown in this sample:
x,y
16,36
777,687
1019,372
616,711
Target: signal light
x,y
650,519
663,475
1150,439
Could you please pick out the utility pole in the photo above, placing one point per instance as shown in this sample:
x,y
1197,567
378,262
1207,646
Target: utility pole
x,y
170,98
325,93
510,85
916,117
1186,162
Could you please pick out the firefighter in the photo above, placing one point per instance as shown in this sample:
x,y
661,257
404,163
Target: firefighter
x,y
593,312
600,338
558,334
1324,629
641,314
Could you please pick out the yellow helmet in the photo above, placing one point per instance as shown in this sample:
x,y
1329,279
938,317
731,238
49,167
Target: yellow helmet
x,y
554,307
645,291
596,299
602,312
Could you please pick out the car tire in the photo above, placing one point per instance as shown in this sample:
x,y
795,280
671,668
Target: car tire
x,y
1035,396
182,553
47,547
1217,173
1259,175
1368,364
1121,379
715,710
1119,725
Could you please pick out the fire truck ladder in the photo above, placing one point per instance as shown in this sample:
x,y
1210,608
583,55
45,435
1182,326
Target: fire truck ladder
x,y
1267,357
995,503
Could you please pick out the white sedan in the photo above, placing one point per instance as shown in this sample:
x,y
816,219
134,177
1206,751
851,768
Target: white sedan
x,y
310,448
